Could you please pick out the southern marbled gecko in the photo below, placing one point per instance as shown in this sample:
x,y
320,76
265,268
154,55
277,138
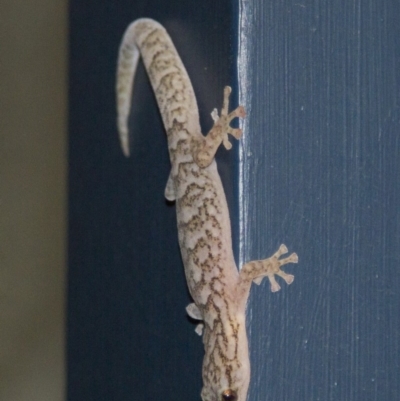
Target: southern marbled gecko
x,y
218,289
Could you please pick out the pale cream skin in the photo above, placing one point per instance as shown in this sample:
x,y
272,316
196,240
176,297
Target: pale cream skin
x,y
219,290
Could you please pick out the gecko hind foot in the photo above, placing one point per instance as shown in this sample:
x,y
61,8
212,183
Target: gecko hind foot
x,y
204,150
194,312
258,269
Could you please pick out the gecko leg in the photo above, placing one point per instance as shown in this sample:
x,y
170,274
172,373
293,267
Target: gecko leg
x,y
204,149
194,312
256,270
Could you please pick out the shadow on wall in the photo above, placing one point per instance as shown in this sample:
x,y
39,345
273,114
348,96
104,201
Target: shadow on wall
x,y
33,198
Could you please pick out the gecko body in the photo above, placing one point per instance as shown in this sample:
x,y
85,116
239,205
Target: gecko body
x,y
218,289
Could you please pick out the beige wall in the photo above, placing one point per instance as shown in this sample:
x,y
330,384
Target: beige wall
x,y
32,198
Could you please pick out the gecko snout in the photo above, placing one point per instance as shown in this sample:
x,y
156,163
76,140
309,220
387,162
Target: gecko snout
x,y
229,395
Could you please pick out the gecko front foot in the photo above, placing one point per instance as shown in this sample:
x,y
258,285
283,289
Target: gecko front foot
x,y
203,150
256,270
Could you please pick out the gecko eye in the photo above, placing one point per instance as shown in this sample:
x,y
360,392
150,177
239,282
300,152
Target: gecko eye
x,y
229,395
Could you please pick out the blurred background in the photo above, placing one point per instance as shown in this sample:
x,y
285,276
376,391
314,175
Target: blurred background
x,y
33,125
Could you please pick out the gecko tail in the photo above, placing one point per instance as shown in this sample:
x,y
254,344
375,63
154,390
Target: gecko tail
x,y
127,62
126,68
149,40
129,53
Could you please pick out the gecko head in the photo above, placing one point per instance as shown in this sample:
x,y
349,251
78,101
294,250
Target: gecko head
x,y
229,395
231,386
224,395
226,365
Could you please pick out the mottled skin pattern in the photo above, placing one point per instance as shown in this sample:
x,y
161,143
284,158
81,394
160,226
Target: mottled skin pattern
x,y
219,291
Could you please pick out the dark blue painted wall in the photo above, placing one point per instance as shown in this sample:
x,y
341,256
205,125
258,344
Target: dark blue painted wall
x,y
320,171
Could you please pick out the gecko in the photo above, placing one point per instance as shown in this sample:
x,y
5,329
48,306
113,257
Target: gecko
x,y
219,290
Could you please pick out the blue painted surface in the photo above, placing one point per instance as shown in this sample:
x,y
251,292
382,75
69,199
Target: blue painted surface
x,y
320,168
321,174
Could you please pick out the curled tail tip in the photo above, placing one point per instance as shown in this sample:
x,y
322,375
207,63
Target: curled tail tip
x,y
124,140
125,148
148,21
136,26
126,152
